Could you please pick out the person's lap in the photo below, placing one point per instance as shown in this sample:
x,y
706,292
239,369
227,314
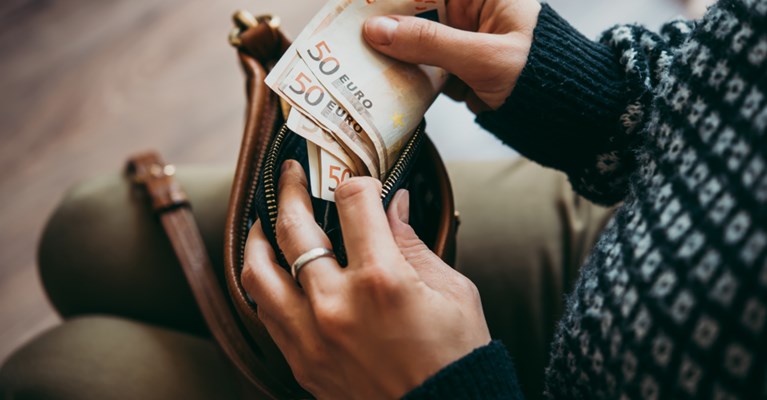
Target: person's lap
x,y
522,237
104,357
103,252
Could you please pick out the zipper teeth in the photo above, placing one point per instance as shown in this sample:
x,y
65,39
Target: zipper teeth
x,y
271,159
399,166
249,203
244,225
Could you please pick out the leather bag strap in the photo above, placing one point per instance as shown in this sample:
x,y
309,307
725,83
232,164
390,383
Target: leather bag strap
x,y
171,204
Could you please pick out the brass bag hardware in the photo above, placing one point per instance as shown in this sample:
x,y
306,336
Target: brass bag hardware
x,y
244,20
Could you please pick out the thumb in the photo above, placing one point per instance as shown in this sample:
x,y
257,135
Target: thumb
x,y
430,268
420,41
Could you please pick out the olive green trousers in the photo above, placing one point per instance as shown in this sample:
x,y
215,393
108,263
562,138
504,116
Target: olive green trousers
x,y
133,331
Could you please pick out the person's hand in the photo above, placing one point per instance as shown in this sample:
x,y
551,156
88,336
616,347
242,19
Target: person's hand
x,y
484,45
379,327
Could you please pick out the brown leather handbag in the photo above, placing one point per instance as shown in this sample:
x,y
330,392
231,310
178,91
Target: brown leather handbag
x,y
231,314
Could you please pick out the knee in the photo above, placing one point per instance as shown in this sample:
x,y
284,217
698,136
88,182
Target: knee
x,y
104,251
112,358
68,226
82,236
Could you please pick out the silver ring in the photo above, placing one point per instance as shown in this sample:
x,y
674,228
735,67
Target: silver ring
x,y
309,256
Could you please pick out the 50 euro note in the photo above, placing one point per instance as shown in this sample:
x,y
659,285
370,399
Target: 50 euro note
x,y
386,97
310,131
302,89
289,79
323,18
326,172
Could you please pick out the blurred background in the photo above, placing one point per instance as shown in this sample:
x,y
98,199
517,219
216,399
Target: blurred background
x,y
85,83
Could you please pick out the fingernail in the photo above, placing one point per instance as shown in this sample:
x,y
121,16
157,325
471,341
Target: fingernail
x,y
286,166
402,202
380,30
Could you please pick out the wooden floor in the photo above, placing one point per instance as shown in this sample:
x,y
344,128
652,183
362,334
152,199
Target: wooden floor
x,y
83,83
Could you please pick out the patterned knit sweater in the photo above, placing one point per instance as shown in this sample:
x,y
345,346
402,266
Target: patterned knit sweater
x,y
672,302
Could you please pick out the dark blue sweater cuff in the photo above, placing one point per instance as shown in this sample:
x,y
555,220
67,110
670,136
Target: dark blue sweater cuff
x,y
485,373
567,101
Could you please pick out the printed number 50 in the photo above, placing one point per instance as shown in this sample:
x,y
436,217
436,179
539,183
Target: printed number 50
x,y
328,65
339,175
307,92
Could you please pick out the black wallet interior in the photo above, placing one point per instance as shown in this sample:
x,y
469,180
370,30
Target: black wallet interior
x,y
287,145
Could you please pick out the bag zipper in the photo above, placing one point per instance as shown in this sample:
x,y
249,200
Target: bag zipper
x,y
270,197
402,162
270,191
268,173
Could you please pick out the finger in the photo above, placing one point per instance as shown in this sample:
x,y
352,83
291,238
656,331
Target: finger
x,y
430,268
289,340
297,232
273,327
458,90
475,104
366,232
281,306
420,41
455,88
287,327
270,286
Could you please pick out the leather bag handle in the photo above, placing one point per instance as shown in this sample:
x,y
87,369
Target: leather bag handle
x,y
171,204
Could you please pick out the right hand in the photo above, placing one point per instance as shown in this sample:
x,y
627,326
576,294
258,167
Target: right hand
x,y
484,46
396,315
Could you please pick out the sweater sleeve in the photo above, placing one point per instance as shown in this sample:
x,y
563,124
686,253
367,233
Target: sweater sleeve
x,y
579,105
487,373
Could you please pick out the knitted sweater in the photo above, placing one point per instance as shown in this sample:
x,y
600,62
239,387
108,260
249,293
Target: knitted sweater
x,y
672,302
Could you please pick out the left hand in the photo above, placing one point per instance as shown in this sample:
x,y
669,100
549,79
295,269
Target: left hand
x,y
484,44
381,326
